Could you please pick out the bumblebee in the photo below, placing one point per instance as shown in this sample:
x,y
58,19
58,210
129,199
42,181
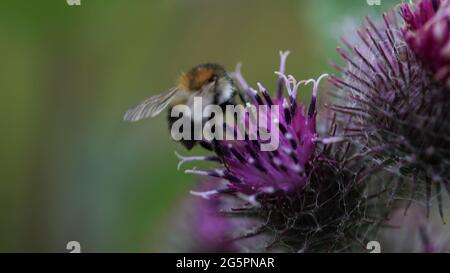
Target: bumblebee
x,y
209,81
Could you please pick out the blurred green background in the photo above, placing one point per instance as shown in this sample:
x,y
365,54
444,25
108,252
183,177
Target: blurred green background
x,y
71,169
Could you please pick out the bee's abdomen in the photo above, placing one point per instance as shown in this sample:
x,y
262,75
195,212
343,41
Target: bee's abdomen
x,y
188,143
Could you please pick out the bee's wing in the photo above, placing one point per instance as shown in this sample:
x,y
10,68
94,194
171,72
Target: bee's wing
x,y
151,107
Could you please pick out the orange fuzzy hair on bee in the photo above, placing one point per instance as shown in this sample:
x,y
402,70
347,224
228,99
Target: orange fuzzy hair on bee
x,y
198,76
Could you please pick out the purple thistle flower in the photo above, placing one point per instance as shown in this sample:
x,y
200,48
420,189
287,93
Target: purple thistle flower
x,y
282,170
393,106
427,32
310,193
255,173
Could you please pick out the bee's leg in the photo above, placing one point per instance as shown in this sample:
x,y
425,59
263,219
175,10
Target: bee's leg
x,y
242,96
243,99
207,145
188,144
214,146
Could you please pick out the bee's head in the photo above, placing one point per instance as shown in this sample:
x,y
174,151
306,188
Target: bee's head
x,y
211,78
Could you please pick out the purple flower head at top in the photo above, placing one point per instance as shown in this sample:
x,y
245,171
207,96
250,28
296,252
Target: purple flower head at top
x,y
393,105
427,32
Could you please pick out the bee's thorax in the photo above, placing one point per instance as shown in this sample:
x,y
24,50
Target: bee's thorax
x,y
210,77
199,76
